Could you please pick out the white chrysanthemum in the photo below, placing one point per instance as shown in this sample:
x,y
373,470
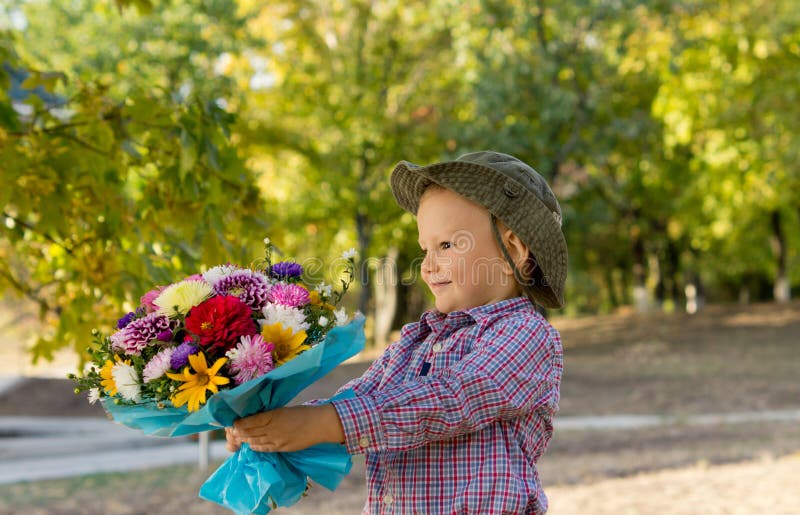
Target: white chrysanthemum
x,y
323,321
214,275
94,395
158,364
341,317
325,290
286,315
350,253
127,381
179,298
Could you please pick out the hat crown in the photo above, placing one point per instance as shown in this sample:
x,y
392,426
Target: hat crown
x,y
521,172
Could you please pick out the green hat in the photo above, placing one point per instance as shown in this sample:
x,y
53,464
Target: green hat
x,y
511,191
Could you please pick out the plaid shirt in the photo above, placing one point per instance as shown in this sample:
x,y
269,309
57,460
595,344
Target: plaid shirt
x,y
453,416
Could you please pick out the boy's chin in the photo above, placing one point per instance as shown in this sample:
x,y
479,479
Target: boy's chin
x,y
442,307
445,307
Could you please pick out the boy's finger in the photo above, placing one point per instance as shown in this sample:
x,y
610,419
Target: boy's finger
x,y
250,422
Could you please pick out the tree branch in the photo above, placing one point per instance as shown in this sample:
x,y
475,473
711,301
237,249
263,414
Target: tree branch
x,y
24,290
86,145
33,228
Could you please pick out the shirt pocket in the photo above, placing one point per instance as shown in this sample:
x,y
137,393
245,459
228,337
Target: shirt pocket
x,y
445,354
492,493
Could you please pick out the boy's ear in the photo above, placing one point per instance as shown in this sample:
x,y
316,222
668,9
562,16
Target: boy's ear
x,y
516,249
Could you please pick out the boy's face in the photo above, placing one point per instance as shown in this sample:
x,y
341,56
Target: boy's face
x,y
463,265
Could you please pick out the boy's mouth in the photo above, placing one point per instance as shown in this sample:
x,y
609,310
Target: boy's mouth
x,y
435,285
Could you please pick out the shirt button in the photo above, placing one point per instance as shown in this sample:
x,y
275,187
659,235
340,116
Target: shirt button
x,y
363,441
388,498
437,347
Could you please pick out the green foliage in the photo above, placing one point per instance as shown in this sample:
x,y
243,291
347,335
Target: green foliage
x,y
347,91
730,98
669,130
119,184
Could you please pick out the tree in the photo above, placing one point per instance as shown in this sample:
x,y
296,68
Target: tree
x,y
121,182
569,89
731,98
345,91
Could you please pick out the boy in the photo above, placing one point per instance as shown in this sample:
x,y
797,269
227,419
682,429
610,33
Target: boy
x,y
454,416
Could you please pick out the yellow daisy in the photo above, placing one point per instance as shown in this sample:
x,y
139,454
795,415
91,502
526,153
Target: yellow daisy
x,y
314,298
107,373
287,344
193,389
108,383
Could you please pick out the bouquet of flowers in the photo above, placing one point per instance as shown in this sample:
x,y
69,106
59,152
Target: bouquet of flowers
x,y
228,343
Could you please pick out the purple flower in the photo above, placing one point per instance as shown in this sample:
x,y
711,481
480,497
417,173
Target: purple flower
x,y
250,287
138,334
124,321
286,270
164,336
291,295
180,357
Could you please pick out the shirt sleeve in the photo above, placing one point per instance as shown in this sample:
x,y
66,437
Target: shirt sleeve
x,y
509,372
366,382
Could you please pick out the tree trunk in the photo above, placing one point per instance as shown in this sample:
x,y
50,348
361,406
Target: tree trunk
x,y
608,277
411,301
641,302
668,288
364,228
385,290
364,237
625,285
781,290
695,296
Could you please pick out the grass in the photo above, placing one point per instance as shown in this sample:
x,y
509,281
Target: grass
x,y
158,490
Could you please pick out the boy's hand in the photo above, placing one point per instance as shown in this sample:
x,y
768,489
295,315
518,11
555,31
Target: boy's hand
x,y
288,429
232,442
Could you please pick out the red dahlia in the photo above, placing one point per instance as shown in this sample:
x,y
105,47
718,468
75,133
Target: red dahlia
x,y
220,321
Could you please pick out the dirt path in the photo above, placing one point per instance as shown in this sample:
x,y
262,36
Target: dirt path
x,y
723,360
766,486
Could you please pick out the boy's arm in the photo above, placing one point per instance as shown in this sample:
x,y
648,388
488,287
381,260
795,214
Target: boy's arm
x,y
366,382
513,370
288,429
298,427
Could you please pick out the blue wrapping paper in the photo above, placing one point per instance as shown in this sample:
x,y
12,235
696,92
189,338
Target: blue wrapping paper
x,y
255,482
249,480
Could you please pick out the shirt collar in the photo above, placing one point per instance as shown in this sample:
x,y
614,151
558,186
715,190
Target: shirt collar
x,y
433,319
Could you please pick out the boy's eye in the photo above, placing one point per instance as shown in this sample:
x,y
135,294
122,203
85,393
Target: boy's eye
x,y
445,245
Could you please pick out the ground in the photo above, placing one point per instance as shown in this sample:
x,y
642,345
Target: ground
x,y
724,359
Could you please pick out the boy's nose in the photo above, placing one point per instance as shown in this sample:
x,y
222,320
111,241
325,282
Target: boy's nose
x,y
427,262
431,262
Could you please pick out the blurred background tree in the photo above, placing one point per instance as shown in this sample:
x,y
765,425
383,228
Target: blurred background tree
x,y
118,166
152,138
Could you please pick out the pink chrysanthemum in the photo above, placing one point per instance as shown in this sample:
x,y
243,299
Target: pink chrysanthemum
x,y
292,295
251,287
251,358
147,299
157,365
138,334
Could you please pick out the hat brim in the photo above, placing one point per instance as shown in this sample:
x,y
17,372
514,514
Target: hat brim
x,y
503,196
